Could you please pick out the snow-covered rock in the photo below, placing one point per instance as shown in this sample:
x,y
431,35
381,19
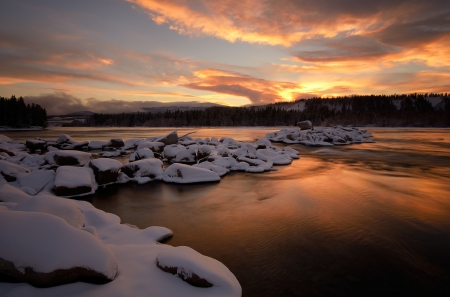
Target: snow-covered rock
x,y
203,152
61,207
116,142
73,181
105,170
185,156
68,157
196,269
10,170
170,151
64,138
151,168
144,153
44,250
183,174
4,138
221,171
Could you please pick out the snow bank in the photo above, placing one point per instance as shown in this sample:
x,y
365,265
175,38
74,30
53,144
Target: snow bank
x,y
60,207
38,244
12,194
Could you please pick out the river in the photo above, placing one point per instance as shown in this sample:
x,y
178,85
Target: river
x,y
370,219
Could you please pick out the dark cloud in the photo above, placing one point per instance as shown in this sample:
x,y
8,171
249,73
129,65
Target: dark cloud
x,y
344,48
416,33
61,103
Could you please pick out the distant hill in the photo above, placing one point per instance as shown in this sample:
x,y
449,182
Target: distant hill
x,y
80,113
199,106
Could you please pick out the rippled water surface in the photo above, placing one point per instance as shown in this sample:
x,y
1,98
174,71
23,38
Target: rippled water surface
x,y
361,220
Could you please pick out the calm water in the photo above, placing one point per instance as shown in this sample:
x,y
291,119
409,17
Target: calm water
x,y
360,220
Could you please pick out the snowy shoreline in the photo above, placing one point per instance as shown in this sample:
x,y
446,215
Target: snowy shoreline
x,y
45,232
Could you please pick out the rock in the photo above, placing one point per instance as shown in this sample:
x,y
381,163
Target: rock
x,y
33,145
9,170
64,138
4,149
116,142
44,251
263,144
221,171
305,125
96,144
80,145
72,181
171,151
152,168
105,170
171,138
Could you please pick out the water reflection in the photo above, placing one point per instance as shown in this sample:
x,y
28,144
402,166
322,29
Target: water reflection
x,y
362,220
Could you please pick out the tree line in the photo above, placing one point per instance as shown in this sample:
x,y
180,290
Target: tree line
x,y
16,114
377,110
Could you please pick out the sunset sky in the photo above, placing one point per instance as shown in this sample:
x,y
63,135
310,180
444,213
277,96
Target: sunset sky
x,y
115,55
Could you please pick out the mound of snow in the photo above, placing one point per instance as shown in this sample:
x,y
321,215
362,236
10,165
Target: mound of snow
x,y
44,250
12,194
183,174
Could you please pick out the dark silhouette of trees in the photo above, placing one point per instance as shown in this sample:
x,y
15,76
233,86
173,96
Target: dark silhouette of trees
x,y
377,110
15,113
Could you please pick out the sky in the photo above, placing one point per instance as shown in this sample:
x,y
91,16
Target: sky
x,y
121,55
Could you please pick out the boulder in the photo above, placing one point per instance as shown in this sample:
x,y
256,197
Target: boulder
x,y
72,181
140,154
44,250
105,170
171,138
305,125
185,156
